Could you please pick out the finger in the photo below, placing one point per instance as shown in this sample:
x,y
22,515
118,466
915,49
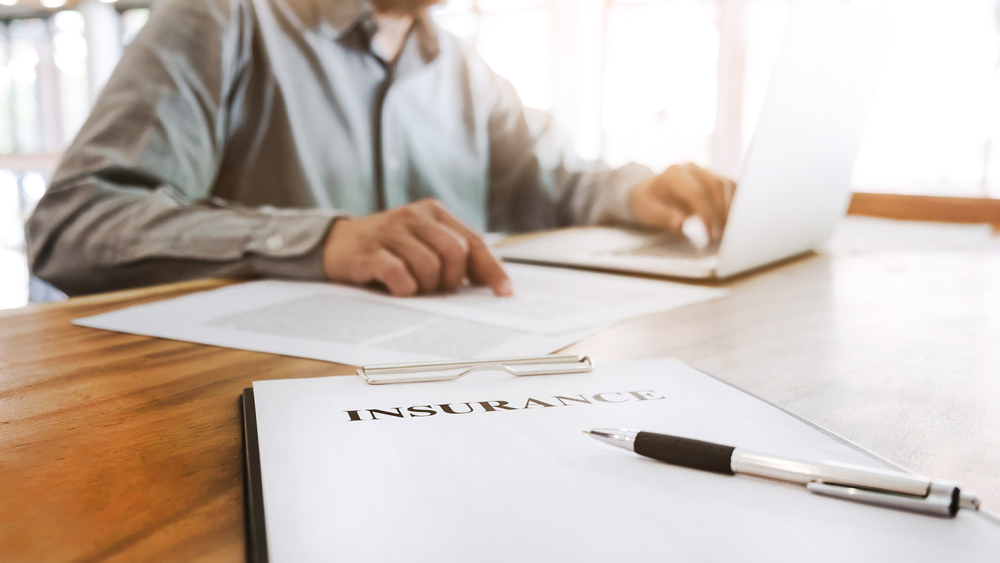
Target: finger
x,y
392,272
483,267
716,189
422,261
730,192
690,193
706,202
660,213
451,248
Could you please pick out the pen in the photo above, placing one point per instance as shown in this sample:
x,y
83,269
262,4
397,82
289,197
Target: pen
x,y
842,480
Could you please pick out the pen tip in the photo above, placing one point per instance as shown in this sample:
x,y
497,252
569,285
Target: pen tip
x,y
587,432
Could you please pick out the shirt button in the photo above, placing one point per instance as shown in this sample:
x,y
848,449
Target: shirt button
x,y
274,243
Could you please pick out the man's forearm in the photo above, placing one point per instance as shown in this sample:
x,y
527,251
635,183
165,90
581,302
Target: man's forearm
x,y
91,235
601,197
538,182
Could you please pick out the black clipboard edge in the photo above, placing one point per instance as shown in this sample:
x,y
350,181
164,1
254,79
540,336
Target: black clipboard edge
x,y
253,490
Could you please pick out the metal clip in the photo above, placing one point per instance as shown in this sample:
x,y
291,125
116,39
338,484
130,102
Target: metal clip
x,y
449,370
942,498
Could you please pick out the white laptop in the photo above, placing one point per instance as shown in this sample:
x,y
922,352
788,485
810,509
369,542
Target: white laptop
x,y
794,183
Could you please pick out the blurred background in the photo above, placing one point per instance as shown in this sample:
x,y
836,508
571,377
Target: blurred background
x,y
654,81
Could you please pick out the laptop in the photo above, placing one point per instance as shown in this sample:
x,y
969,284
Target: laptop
x,y
794,183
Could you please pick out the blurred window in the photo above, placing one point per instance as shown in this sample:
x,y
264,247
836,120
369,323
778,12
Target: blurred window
x,y
45,96
934,127
660,82
70,57
41,113
7,138
513,36
25,38
132,22
18,195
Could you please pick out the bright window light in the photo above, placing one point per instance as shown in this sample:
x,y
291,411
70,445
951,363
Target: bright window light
x,y
34,186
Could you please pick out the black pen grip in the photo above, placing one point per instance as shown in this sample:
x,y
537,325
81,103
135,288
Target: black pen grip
x,y
685,452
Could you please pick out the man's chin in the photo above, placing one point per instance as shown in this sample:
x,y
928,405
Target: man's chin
x,y
403,5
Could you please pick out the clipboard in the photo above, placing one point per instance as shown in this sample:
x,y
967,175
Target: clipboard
x,y
256,536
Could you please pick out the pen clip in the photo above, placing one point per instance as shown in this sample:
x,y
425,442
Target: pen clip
x,y
942,498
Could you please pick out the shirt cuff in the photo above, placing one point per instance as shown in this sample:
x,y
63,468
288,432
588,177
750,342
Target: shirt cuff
x,y
613,207
290,244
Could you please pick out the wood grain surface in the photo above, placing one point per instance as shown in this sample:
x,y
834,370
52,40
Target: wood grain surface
x,y
115,447
926,208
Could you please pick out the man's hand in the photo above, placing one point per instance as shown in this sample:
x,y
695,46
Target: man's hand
x,y
667,200
416,248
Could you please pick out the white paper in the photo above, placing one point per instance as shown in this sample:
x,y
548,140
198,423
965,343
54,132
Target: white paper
x,y
324,322
556,300
527,485
359,326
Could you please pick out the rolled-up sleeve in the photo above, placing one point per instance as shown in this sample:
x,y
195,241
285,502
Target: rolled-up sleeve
x,y
130,203
536,179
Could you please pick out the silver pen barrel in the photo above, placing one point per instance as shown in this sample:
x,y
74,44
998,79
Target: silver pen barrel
x,y
869,485
804,472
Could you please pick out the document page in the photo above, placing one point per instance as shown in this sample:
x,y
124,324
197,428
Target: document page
x,y
361,326
555,300
325,322
496,468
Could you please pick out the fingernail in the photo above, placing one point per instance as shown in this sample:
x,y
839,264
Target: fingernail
x,y
504,289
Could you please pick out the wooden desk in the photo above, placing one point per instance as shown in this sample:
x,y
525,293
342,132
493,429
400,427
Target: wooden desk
x,y
128,448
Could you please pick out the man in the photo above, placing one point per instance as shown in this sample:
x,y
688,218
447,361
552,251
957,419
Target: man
x,y
291,138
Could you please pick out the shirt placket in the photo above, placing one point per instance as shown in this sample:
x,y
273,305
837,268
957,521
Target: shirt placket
x,y
388,156
390,174
379,141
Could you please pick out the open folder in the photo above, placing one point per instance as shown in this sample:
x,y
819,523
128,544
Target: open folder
x,y
494,467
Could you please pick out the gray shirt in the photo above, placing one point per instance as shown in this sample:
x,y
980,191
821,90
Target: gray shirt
x,y
234,132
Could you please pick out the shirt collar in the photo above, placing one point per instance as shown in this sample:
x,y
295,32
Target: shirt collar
x,y
339,18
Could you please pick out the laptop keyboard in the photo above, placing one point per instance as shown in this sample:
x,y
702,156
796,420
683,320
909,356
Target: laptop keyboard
x,y
675,249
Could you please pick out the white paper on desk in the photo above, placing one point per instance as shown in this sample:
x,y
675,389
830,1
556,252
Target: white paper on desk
x,y
557,300
324,322
527,485
359,326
